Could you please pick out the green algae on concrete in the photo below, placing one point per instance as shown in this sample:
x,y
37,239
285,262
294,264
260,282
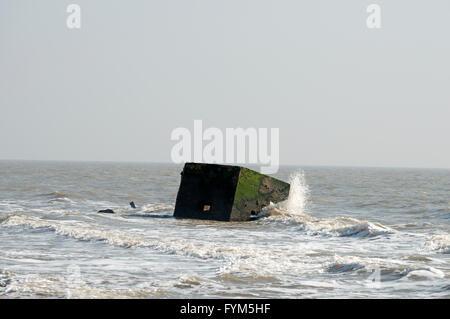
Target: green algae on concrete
x,y
226,193
254,191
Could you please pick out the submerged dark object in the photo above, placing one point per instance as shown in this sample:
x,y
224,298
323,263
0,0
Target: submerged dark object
x,y
132,205
106,211
226,193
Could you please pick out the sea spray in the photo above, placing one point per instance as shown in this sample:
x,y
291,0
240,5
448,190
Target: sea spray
x,y
298,194
293,212
297,201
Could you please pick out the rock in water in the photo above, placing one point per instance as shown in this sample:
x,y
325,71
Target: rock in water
x,y
106,211
226,193
132,205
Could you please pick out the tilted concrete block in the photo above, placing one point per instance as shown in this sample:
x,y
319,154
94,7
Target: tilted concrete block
x,y
225,193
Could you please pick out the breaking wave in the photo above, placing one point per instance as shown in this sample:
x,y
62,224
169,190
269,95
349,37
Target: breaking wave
x,y
155,208
65,285
293,212
79,231
390,269
151,209
338,226
59,197
439,243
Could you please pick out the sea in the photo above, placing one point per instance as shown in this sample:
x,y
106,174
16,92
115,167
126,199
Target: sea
x,y
344,232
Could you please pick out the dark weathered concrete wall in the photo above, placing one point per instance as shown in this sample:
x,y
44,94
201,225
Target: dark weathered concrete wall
x,y
206,184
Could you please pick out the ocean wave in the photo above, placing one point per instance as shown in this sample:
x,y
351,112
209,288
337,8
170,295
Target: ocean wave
x,y
389,269
423,273
59,197
5,278
9,206
69,286
155,207
337,226
270,265
345,264
439,243
151,209
57,194
293,212
187,281
340,264
246,260
81,231
139,211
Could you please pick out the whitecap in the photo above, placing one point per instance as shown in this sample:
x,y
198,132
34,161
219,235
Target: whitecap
x,y
82,231
293,212
439,243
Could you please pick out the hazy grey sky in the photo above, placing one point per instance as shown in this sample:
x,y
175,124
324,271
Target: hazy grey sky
x,y
341,94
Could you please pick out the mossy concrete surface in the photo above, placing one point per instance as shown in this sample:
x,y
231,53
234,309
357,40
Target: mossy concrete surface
x,y
254,191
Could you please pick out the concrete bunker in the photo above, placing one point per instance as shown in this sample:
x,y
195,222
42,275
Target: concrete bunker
x,y
225,192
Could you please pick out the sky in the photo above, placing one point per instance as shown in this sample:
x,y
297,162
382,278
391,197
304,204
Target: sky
x,y
114,90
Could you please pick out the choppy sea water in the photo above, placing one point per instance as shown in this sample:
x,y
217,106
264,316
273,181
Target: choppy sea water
x,y
343,233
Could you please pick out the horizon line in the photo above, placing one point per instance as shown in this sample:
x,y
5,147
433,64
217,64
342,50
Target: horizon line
x,y
236,164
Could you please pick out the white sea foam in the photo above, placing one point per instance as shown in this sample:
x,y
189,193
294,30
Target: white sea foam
x,y
345,226
62,285
82,231
293,212
155,207
424,273
188,281
439,243
247,260
150,209
387,267
10,207
341,264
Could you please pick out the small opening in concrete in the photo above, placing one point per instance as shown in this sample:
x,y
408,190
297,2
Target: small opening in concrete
x,y
206,208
